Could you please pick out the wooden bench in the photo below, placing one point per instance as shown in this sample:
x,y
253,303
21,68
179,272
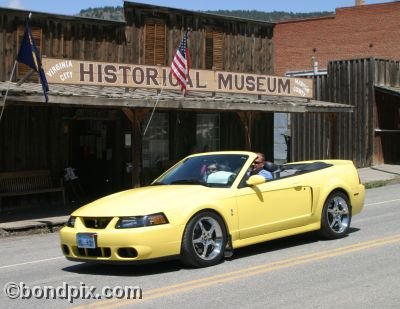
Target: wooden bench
x,y
29,182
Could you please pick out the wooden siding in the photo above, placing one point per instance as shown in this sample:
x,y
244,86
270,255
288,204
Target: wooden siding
x,y
238,45
62,37
229,44
344,135
32,138
387,73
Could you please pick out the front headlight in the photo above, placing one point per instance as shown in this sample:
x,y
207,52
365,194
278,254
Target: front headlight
x,y
71,221
141,221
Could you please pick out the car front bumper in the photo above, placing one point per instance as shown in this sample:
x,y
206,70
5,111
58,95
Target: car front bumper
x,y
124,245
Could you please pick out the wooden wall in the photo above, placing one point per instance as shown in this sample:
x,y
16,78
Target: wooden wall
x,y
245,46
387,73
344,135
310,133
32,138
63,37
240,46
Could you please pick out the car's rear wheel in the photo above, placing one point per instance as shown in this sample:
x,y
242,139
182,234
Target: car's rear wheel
x,y
336,216
204,240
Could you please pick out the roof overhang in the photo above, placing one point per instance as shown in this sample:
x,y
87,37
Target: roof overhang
x,y
388,89
117,97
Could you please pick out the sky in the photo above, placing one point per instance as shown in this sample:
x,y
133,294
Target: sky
x,y
72,7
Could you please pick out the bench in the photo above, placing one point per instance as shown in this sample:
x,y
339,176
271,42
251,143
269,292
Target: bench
x,y
29,182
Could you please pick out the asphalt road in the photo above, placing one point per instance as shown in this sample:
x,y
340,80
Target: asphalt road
x,y
359,271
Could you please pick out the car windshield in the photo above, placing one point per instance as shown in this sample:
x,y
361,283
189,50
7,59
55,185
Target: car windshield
x,y
216,170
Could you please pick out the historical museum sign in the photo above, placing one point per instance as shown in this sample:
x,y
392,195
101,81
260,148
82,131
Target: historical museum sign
x,y
64,71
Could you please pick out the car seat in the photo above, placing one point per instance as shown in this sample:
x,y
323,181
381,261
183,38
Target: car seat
x,y
273,168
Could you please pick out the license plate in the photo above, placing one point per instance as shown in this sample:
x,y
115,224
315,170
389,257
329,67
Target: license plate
x,y
87,240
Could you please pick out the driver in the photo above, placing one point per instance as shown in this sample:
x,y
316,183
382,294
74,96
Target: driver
x,y
257,167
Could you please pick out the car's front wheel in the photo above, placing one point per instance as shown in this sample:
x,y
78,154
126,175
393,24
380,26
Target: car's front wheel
x,y
336,216
204,240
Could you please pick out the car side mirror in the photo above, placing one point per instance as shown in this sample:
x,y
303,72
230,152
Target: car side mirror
x,y
255,180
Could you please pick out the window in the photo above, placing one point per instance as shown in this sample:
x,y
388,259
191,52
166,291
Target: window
x,y
214,50
155,42
207,132
156,141
23,69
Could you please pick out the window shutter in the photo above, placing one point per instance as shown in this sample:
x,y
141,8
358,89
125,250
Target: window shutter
x,y
218,50
155,43
214,50
23,69
149,43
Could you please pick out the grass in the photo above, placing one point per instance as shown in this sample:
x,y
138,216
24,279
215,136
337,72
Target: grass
x,y
381,183
376,184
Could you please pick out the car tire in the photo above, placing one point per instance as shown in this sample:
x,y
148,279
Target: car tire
x,y
204,240
336,216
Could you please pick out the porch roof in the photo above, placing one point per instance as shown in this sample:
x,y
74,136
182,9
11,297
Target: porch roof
x,y
112,97
389,89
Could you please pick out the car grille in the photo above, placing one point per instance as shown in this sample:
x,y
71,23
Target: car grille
x,y
96,223
96,252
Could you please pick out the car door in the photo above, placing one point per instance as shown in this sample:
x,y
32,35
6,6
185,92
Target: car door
x,y
273,206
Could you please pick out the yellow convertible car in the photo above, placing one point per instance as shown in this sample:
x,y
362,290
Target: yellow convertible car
x,y
208,204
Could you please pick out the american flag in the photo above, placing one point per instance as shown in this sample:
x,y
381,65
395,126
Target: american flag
x,y
180,64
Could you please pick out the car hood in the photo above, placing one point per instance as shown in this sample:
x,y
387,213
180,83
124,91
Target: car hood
x,y
148,200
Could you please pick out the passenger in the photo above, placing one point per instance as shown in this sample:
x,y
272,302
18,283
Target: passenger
x,y
212,168
257,168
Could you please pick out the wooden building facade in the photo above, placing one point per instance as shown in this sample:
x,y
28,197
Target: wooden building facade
x,y
369,135
104,143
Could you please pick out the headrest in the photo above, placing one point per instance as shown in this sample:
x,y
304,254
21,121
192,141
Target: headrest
x,y
270,167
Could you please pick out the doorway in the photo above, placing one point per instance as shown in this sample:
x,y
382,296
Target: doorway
x,y
92,151
387,128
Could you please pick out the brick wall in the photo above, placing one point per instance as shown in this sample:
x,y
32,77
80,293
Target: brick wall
x,y
352,32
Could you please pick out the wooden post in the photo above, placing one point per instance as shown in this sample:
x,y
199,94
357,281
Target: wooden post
x,y
333,138
136,117
246,120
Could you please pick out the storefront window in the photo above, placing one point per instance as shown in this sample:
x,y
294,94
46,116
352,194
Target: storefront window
x,y
156,141
207,132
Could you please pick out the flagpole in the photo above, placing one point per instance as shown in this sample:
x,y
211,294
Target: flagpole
x,y
8,88
154,108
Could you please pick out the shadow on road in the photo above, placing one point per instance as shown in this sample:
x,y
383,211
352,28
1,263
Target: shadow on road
x,y
125,270
282,243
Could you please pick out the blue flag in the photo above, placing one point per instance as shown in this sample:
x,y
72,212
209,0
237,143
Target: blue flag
x,y
29,55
